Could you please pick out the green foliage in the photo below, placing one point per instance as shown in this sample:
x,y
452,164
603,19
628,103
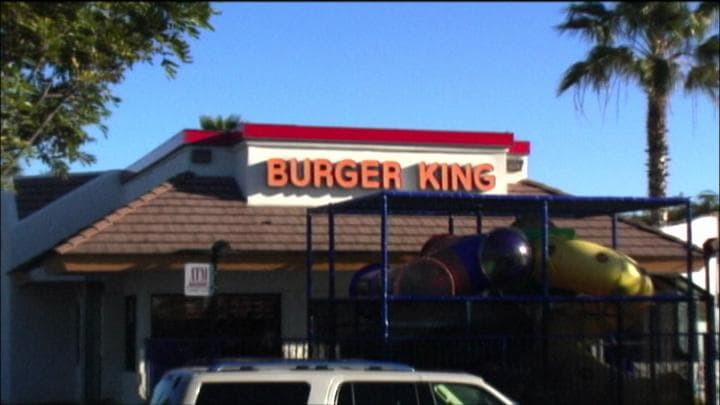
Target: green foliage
x,y
60,60
230,123
659,46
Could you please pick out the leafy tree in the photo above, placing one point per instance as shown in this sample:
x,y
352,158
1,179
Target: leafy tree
x,y
60,60
660,46
230,123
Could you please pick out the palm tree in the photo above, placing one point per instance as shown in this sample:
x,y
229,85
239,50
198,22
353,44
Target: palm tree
x,y
230,123
708,202
660,46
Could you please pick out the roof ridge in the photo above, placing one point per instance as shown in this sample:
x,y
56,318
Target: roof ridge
x,y
656,231
543,186
109,220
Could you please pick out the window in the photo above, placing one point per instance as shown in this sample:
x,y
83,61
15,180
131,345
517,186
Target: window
x,y
287,393
221,316
462,394
383,393
237,325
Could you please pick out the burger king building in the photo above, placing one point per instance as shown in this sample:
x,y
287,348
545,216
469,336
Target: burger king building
x,y
97,269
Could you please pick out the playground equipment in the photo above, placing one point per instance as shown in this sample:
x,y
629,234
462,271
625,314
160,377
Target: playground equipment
x,y
455,265
502,260
576,296
588,268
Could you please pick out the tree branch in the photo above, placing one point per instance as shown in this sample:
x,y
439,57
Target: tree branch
x,y
10,165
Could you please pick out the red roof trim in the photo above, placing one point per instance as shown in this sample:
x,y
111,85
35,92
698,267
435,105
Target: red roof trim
x,y
207,137
332,134
363,135
520,148
376,135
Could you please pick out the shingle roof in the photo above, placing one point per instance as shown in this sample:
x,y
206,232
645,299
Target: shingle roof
x,y
190,213
33,193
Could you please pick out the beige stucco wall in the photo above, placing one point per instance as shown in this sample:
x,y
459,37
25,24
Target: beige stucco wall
x,y
408,157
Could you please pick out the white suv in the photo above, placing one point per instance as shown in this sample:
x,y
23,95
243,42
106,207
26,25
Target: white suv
x,y
321,383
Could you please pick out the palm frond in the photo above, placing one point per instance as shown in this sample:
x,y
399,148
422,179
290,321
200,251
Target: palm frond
x,y
657,28
660,45
231,123
633,16
591,20
596,71
709,51
708,11
706,79
207,122
704,75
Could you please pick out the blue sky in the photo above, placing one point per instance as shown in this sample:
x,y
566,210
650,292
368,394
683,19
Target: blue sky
x,y
450,66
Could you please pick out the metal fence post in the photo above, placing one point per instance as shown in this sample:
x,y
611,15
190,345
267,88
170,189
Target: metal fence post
x,y
308,282
331,281
711,353
691,310
385,268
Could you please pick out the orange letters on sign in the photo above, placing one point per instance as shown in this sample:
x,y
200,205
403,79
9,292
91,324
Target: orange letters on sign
x,y
483,180
295,176
322,173
392,175
276,173
444,177
372,174
369,174
346,174
425,176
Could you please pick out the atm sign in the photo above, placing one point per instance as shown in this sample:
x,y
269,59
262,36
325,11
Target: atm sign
x,y
199,279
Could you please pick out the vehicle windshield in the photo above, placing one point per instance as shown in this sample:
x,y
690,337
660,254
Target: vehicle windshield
x,y
463,394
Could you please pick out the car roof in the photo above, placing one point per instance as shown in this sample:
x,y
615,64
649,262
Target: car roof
x,y
345,364
320,373
285,373
329,378
356,369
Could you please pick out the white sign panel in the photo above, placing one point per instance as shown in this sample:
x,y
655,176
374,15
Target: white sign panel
x,y
199,279
343,169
